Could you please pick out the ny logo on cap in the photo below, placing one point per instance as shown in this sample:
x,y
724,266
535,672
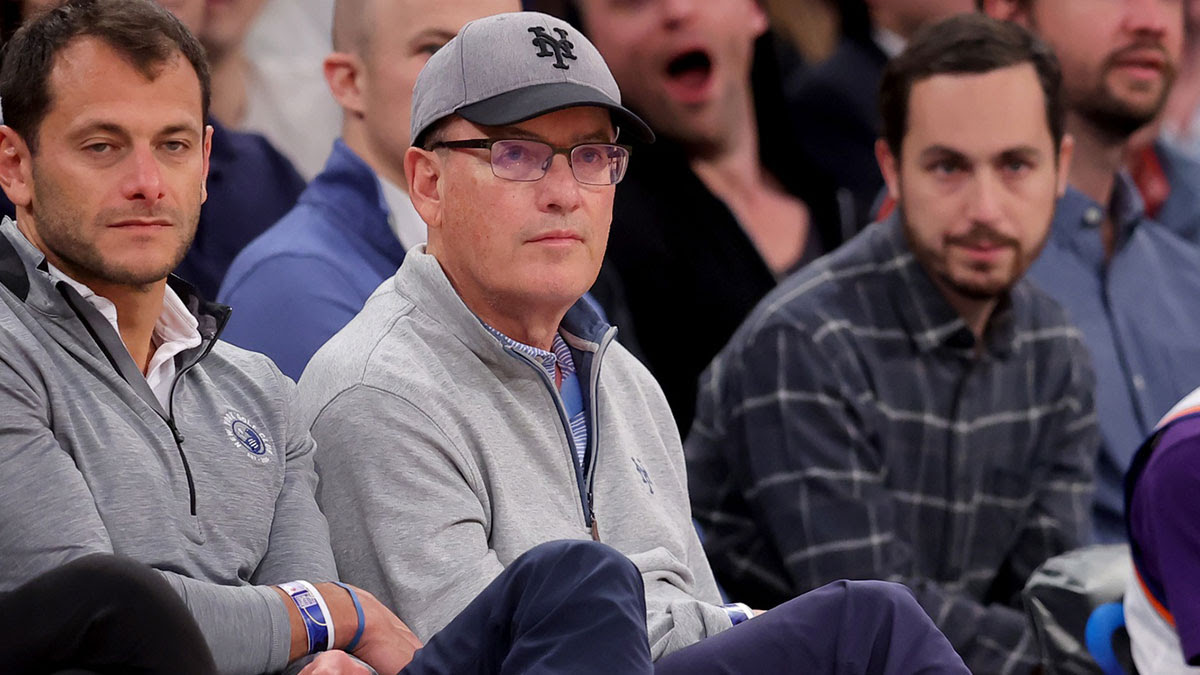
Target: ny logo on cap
x,y
547,46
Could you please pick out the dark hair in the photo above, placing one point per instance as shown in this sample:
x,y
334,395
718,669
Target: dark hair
x,y
965,44
1023,4
140,30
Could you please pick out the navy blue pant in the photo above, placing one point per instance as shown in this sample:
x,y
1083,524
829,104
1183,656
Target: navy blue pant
x,y
843,628
100,614
574,607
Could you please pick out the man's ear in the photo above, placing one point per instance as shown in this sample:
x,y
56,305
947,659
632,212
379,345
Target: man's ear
x,y
889,166
758,18
423,170
16,167
1066,150
1008,10
345,73
207,149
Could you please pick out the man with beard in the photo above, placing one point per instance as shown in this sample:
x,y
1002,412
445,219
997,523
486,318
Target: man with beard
x,y
1128,281
909,408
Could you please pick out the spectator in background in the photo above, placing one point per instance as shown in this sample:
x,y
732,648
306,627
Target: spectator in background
x,y
1181,116
878,416
836,102
250,185
309,275
223,33
1162,605
477,406
1128,281
724,204
1164,158
279,48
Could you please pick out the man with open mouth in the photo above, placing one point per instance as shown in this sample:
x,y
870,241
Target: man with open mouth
x,y
725,203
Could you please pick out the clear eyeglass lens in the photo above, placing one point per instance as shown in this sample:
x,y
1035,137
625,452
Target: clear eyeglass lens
x,y
520,160
598,163
591,163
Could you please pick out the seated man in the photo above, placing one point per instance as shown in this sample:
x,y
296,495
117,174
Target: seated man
x,y
1126,279
909,408
130,428
305,278
235,215
1162,607
477,407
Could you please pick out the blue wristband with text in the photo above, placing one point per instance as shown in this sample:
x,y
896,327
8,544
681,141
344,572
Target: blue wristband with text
x,y
362,621
311,607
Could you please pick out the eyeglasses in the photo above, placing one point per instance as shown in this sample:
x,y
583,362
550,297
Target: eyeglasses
x,y
528,161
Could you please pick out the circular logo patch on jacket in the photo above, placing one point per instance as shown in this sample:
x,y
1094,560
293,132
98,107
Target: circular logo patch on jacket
x,y
245,437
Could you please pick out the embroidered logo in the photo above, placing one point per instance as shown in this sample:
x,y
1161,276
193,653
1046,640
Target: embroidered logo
x,y
245,437
644,473
547,46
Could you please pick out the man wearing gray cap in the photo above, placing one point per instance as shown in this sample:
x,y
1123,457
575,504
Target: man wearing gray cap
x,y
476,408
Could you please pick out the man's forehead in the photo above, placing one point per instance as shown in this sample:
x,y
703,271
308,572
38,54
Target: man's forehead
x,y
1002,107
89,76
406,20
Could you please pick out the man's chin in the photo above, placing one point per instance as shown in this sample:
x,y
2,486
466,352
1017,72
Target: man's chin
x,y
980,291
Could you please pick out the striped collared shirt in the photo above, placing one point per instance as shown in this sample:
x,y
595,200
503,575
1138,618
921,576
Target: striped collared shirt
x,y
856,428
570,390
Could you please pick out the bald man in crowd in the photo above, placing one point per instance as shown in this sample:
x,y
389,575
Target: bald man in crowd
x,y
309,275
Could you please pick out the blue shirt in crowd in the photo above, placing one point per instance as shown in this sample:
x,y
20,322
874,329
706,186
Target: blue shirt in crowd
x,y
305,278
1140,319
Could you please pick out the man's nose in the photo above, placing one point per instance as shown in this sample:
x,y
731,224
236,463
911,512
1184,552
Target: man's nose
x,y
984,205
558,189
677,12
1147,16
144,181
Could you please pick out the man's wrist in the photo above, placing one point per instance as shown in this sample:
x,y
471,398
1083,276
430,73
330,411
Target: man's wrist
x,y
738,612
343,612
315,618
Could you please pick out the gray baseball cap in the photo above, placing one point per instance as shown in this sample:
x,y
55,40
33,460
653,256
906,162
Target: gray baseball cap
x,y
509,68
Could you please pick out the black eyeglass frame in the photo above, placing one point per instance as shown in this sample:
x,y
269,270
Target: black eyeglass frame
x,y
487,143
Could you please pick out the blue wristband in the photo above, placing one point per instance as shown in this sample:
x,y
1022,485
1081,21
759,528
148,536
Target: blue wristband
x,y
315,622
738,612
362,621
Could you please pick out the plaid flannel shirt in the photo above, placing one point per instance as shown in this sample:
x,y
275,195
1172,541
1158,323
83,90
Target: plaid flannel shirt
x,y
853,428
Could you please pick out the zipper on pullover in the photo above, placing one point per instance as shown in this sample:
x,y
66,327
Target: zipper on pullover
x,y
585,477
170,419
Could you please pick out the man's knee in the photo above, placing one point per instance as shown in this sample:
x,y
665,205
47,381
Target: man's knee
x,y
884,597
583,558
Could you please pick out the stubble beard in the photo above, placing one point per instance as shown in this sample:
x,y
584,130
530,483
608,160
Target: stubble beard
x,y
60,226
936,264
1116,118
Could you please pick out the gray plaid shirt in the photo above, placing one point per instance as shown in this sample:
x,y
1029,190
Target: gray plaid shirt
x,y
854,429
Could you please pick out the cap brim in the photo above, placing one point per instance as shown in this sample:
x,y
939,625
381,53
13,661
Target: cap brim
x,y
535,100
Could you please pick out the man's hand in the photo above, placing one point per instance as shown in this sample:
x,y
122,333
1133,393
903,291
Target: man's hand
x,y
334,663
387,644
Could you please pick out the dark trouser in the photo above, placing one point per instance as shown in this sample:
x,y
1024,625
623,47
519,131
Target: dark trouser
x,y
102,614
844,628
563,607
